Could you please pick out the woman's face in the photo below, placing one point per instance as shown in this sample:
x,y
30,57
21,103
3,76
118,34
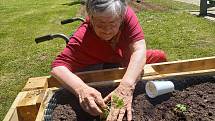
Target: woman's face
x,y
106,25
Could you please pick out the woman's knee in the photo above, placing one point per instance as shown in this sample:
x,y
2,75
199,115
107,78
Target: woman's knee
x,y
155,56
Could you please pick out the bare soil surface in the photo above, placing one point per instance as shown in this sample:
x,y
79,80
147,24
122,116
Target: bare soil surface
x,y
199,100
196,93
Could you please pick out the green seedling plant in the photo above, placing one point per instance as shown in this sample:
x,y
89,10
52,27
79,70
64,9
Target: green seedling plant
x,y
115,102
106,112
181,107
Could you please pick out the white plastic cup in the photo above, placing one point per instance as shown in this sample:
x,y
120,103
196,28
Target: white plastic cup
x,y
156,88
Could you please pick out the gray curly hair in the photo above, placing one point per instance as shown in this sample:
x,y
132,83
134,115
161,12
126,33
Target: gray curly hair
x,y
116,7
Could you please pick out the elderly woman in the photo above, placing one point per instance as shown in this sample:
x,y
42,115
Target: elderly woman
x,y
111,34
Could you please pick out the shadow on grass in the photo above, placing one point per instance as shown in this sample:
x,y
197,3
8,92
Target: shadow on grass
x,y
74,3
208,15
211,15
196,13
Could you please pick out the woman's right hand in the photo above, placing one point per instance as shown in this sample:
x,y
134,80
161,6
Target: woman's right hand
x,y
91,100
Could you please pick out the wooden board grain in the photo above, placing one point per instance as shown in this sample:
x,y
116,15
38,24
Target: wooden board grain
x,y
159,76
12,113
28,106
48,94
36,83
158,69
185,65
25,106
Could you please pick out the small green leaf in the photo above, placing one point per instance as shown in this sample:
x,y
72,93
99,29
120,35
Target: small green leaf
x,y
115,98
181,107
117,102
120,103
106,112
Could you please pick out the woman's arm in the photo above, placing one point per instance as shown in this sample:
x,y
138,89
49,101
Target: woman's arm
x,y
90,99
69,80
126,88
136,64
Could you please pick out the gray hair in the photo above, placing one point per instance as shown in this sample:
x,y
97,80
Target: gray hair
x,y
116,7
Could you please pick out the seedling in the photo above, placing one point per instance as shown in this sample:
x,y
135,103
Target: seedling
x,y
106,112
181,107
116,102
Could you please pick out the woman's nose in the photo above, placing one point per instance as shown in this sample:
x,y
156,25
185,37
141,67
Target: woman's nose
x,y
107,29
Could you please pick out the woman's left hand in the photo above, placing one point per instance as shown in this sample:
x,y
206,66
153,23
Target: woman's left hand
x,y
123,92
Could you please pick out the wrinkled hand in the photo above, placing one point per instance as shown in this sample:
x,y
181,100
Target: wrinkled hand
x,y
125,93
90,100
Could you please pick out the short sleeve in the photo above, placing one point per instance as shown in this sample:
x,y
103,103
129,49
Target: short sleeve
x,y
132,26
74,56
68,57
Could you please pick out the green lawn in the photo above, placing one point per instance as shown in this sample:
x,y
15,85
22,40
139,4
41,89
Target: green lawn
x,y
21,21
179,34
171,29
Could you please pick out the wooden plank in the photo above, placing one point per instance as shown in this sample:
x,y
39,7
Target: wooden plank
x,y
165,69
13,116
53,82
154,77
12,113
89,76
48,94
28,106
181,74
185,65
148,71
36,83
102,75
117,73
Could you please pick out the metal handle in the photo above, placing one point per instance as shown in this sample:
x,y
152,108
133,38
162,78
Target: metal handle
x,y
50,37
43,38
72,20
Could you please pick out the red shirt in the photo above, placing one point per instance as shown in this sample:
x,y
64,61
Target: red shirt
x,y
86,48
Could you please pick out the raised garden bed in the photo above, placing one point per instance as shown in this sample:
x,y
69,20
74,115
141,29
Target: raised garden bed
x,y
31,102
193,100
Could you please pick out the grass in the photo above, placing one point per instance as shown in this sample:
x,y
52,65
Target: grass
x,y
21,58
179,34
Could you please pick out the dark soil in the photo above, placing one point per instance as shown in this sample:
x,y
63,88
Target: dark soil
x,y
197,93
